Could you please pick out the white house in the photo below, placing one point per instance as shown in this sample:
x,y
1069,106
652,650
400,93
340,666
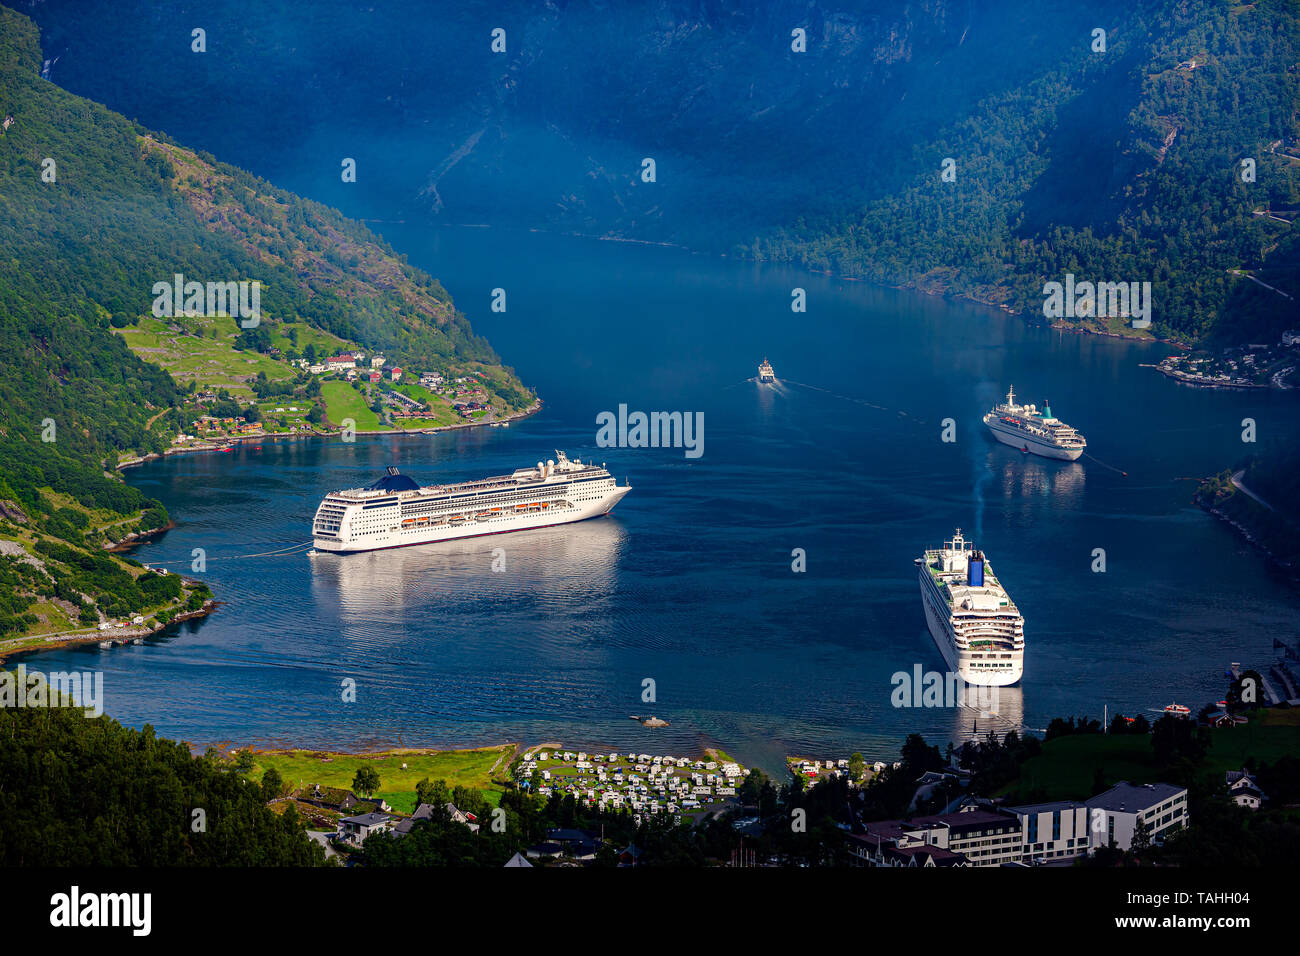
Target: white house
x,y
1162,806
1053,831
1243,790
357,829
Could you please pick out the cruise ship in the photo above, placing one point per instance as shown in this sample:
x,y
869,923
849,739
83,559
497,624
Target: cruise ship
x,y
1031,430
765,373
395,511
972,619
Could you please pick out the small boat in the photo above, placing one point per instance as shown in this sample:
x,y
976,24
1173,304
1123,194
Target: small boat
x,y
1178,710
105,645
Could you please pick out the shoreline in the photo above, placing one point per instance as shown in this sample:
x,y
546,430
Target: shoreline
x,y
528,412
117,636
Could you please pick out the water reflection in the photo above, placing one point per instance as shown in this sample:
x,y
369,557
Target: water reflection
x,y
554,569
989,710
1030,477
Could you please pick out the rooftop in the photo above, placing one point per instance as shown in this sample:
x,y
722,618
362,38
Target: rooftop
x,y
1129,798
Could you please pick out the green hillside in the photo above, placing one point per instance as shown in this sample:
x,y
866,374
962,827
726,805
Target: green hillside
x,y
95,210
1115,166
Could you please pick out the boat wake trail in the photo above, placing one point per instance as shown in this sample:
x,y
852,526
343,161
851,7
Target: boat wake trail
x,y
856,401
265,554
1104,465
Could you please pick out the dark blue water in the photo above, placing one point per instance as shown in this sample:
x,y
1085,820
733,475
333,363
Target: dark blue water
x,y
689,583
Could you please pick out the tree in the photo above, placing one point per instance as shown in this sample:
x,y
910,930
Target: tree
x,y
1141,838
365,781
857,766
434,793
272,784
244,761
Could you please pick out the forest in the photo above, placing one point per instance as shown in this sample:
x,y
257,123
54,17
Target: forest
x,y
94,210
1124,165
82,791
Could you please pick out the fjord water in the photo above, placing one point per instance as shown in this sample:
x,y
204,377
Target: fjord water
x,y
690,583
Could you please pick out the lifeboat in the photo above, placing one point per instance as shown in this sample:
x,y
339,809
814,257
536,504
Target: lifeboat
x,y
421,521
408,523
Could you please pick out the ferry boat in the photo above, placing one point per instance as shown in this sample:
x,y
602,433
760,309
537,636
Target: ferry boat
x,y
765,373
974,622
1178,710
1033,431
396,511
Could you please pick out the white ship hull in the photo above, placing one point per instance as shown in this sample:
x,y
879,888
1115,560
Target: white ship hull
x,y
1019,439
501,524
959,661
397,513
973,621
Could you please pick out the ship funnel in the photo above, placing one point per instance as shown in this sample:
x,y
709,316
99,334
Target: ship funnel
x,y
975,570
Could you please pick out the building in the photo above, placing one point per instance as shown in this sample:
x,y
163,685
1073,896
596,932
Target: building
x,y
395,374
375,375
423,812
357,830
578,844
431,379
377,361
1114,815
980,837
1291,337
1243,790
460,816
1051,832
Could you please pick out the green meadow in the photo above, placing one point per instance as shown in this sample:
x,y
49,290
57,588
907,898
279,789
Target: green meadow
x,y
466,768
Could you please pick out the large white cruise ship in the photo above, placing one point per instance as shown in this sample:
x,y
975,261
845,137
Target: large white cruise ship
x,y
1031,430
395,511
972,619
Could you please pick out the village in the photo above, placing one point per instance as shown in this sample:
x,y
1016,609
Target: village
x,y
641,783
1258,365
375,394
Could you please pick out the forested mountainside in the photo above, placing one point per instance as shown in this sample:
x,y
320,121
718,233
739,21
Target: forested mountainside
x,y
94,210
82,791
1122,165
1125,166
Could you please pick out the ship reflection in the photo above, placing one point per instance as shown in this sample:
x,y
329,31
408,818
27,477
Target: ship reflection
x,y
989,710
1029,476
551,570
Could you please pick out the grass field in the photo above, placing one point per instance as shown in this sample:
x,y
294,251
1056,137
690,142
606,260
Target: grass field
x,y
343,401
441,412
1066,766
466,768
209,358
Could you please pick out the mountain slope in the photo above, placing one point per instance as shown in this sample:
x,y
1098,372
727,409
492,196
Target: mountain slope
x,y
94,211
1117,166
